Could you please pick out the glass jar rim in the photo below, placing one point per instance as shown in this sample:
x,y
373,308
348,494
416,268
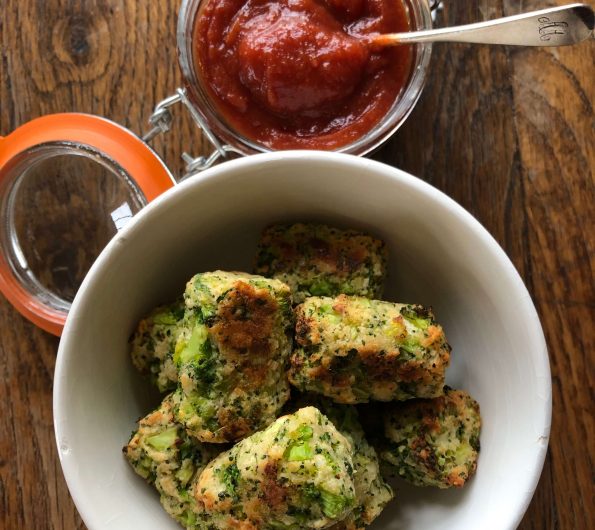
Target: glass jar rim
x,y
367,143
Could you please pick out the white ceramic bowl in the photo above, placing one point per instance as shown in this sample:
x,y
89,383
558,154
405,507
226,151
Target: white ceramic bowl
x,y
439,256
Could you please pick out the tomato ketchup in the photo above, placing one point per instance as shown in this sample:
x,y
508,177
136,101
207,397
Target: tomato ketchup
x,y
293,74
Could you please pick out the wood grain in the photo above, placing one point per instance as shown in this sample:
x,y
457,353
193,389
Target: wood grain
x,y
507,132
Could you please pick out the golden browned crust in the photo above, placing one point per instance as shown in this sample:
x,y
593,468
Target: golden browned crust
x,y
274,494
232,427
245,321
234,524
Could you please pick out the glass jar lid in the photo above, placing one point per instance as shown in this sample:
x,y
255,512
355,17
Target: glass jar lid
x,y
68,183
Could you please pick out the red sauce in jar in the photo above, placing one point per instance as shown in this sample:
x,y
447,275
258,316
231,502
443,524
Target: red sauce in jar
x,y
293,74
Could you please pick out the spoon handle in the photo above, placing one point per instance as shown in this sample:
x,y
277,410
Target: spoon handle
x,y
557,26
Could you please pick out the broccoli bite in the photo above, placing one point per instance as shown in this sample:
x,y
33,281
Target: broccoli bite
x,y
232,355
353,350
153,342
434,442
372,493
298,473
318,260
161,452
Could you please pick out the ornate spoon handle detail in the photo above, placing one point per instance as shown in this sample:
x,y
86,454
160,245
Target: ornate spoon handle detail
x,y
557,26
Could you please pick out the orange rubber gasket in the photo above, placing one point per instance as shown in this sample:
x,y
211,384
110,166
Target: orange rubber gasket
x,y
107,137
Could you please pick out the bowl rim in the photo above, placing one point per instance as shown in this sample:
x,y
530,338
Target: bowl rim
x,y
539,353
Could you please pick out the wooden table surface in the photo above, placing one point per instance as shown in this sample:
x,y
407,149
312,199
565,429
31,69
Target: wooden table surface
x,y
507,132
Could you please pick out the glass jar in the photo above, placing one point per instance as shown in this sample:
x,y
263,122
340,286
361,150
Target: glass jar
x,y
68,184
419,12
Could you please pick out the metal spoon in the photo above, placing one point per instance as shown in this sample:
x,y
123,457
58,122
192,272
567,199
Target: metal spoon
x,y
557,26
